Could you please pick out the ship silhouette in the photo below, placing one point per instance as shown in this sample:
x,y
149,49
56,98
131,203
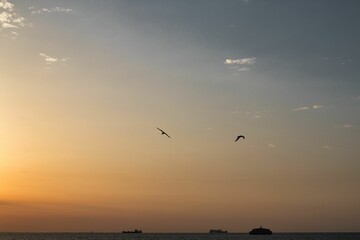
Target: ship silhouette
x,y
135,231
260,231
217,231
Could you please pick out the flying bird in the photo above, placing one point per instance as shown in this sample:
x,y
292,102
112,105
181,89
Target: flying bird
x,y
162,132
238,137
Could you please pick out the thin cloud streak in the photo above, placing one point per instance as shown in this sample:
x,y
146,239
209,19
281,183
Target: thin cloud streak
x,y
243,69
240,64
315,107
300,109
11,203
240,61
50,10
326,147
318,106
50,60
51,204
257,114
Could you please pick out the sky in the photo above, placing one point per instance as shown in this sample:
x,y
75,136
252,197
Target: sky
x,y
85,83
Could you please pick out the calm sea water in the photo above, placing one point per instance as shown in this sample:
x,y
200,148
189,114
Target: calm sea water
x,y
149,236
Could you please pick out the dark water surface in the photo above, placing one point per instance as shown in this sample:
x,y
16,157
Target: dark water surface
x,y
177,236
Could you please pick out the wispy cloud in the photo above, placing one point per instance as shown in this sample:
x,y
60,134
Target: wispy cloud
x,y
270,145
243,69
240,64
317,106
345,125
257,114
50,60
9,18
300,109
334,148
326,147
49,10
6,5
240,61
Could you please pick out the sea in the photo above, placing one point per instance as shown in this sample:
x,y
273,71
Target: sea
x,y
177,236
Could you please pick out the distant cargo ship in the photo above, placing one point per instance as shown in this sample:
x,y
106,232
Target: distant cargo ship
x,y
135,231
260,231
217,231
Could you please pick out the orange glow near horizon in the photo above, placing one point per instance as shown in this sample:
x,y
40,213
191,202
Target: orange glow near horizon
x,y
82,92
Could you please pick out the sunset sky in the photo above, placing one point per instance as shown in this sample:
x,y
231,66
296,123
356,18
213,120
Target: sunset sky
x,y
85,83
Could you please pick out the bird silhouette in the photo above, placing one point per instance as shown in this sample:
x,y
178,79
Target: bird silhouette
x,y
162,132
240,136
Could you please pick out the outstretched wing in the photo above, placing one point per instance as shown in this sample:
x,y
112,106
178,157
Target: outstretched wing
x,y
238,137
160,130
167,134
163,132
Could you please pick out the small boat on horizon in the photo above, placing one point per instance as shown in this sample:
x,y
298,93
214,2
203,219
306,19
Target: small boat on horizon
x,y
260,231
135,231
217,231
